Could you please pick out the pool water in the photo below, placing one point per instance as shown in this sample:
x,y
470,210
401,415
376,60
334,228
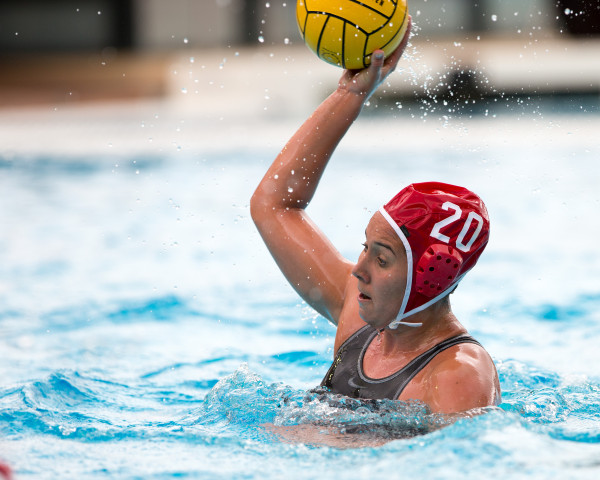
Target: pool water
x,y
146,333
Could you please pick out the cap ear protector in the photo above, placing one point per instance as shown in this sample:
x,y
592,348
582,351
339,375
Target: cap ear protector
x,y
444,229
437,268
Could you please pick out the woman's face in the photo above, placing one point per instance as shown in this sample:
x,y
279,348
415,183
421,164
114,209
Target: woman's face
x,y
381,274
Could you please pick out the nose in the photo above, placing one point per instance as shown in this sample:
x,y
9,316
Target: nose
x,y
359,270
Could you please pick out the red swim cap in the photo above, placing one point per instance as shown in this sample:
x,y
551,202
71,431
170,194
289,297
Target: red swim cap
x,y
444,229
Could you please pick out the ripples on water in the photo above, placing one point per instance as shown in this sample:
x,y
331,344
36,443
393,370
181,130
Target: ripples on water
x,y
188,415
140,341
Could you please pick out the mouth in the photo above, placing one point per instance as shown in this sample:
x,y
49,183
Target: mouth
x,y
363,297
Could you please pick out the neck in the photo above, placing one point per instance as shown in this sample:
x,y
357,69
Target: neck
x,y
438,323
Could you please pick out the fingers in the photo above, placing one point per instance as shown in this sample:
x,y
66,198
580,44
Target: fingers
x,y
366,81
377,59
374,69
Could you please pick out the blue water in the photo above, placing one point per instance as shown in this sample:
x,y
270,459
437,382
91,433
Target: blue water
x,y
146,333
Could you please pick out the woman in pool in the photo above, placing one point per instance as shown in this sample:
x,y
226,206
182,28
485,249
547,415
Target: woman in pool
x,y
396,334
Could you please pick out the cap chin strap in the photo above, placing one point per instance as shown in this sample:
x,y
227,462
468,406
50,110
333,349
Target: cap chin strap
x,y
394,324
398,321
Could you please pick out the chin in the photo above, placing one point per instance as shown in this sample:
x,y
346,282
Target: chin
x,y
374,322
374,319
365,318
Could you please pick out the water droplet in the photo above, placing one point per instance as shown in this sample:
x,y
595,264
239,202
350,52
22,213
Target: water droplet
x,y
290,189
185,40
184,90
261,39
494,18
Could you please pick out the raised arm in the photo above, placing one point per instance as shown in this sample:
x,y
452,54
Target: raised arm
x,y
306,257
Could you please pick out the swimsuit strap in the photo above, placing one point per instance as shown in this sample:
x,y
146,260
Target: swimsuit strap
x,y
346,375
417,364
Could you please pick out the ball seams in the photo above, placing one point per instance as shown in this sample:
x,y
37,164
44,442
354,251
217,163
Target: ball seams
x,y
391,40
345,20
333,49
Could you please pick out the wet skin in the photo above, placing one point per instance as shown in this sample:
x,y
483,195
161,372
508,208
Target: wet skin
x,y
462,377
381,273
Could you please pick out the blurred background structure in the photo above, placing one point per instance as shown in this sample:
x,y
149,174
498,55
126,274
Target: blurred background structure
x,y
56,51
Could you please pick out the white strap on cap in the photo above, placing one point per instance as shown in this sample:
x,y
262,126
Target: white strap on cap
x,y
409,262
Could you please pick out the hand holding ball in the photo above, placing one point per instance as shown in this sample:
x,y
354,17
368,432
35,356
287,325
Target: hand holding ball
x,y
346,32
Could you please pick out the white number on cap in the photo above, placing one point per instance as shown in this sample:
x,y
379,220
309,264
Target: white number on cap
x,y
459,241
435,232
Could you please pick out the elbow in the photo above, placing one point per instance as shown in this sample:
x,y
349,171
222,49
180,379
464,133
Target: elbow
x,y
266,202
263,201
254,206
259,206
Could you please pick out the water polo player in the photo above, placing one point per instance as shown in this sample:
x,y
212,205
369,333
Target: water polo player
x,y
396,334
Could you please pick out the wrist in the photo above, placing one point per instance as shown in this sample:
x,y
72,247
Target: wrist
x,y
350,97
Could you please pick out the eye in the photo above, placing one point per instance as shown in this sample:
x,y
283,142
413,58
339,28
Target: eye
x,y
381,262
364,247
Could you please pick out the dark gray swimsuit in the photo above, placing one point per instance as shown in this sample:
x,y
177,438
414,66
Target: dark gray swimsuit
x,y
346,375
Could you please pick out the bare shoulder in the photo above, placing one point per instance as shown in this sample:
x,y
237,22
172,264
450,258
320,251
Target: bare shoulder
x,y
461,378
349,320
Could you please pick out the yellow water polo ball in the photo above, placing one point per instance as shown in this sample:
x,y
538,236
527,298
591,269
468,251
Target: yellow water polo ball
x,y
346,32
